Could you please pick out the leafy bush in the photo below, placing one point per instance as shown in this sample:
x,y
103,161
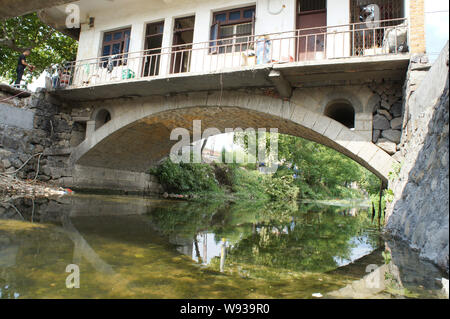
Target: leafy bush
x,y
248,184
182,178
282,188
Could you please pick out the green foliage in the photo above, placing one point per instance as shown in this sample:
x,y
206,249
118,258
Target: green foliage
x,y
282,188
247,184
387,257
395,172
322,172
184,178
48,46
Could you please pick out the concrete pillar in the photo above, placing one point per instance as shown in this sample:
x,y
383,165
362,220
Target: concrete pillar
x,y
363,125
90,128
166,44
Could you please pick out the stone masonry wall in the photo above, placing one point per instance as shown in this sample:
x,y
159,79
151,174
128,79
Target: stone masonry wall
x,y
419,213
388,117
42,150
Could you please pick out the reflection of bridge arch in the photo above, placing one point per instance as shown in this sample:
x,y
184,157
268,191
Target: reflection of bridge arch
x,y
138,134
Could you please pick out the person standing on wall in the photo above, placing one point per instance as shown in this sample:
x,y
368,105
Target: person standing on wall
x,y
22,65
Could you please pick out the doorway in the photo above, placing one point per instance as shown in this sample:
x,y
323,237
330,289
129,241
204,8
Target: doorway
x,y
183,36
311,26
153,44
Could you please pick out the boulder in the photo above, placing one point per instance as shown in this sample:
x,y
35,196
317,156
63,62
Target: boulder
x,y
392,135
385,113
376,135
381,123
396,124
6,164
397,109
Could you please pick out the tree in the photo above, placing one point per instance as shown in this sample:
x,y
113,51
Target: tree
x,y
48,46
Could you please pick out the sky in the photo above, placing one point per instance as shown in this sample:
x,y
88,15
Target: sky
x,y
437,25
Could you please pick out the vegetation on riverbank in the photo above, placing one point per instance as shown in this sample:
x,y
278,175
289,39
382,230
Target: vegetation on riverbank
x,y
308,171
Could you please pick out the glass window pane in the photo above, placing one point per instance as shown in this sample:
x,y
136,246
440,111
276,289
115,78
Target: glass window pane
x,y
108,37
236,15
116,48
106,50
244,29
117,35
221,17
226,32
248,14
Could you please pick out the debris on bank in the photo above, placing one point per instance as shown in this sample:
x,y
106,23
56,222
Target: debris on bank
x,y
10,186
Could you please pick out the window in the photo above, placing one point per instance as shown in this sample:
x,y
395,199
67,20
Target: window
x,y
183,36
391,14
311,5
115,44
153,44
232,30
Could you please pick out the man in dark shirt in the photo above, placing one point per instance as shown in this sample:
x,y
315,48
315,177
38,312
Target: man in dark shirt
x,y
21,66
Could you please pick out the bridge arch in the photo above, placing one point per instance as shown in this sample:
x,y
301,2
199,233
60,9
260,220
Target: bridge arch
x,y
138,134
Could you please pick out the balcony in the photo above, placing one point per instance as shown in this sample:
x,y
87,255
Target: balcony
x,y
331,55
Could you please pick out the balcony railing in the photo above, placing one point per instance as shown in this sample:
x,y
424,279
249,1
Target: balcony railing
x,y
385,37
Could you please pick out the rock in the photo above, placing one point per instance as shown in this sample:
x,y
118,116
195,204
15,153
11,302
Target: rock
x,y
397,109
10,170
396,124
380,123
392,135
388,146
17,163
6,164
4,154
376,135
385,113
385,104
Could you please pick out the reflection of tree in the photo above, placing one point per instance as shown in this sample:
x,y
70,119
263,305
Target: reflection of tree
x,y
310,242
274,235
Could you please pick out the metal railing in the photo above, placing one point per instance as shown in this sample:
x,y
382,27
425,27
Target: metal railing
x,y
328,42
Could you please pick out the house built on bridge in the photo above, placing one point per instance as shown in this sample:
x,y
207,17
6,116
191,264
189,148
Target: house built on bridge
x,y
331,71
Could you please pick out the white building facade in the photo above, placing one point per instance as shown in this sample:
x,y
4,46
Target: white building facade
x,y
128,39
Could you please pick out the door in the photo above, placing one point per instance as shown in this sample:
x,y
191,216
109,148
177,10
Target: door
x,y
153,44
311,26
183,36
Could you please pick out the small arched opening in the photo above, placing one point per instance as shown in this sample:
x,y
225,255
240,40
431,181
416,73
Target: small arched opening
x,y
342,112
102,117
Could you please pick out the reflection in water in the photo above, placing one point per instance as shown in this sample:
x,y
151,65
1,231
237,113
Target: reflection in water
x,y
140,248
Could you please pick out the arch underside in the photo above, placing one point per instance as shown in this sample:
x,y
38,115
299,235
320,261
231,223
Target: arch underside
x,y
141,143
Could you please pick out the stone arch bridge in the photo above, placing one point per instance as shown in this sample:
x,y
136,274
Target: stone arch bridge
x,y
130,135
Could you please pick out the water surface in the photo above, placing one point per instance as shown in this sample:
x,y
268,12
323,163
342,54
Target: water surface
x,y
130,247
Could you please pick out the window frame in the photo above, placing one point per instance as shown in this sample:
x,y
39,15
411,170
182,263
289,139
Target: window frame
x,y
124,42
216,29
